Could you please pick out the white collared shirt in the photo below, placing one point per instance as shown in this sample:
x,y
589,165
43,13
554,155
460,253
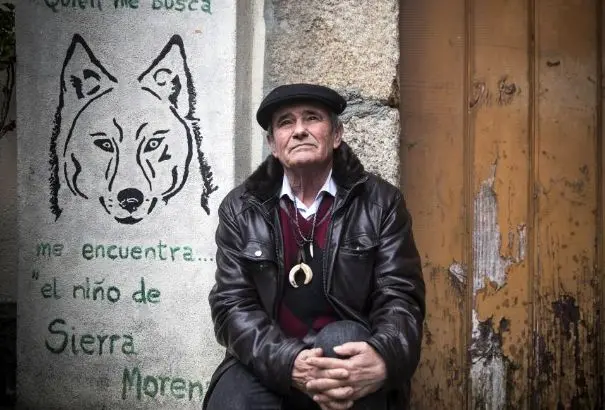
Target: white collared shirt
x,y
329,187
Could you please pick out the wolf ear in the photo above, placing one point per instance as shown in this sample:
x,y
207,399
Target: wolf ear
x,y
169,79
83,76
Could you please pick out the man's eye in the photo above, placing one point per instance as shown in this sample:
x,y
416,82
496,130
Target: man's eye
x,y
105,144
153,144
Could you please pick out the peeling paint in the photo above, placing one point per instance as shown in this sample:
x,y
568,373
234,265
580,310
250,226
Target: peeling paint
x,y
507,91
488,262
522,232
458,277
480,94
457,271
489,368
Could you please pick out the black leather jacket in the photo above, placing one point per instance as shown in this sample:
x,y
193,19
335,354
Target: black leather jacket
x,y
373,274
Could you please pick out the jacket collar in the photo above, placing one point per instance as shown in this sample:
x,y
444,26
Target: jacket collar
x,y
265,182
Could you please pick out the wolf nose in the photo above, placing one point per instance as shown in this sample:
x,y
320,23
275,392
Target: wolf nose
x,y
130,199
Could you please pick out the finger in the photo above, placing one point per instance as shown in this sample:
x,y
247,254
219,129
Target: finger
x,y
364,391
321,385
316,352
351,348
333,404
327,363
339,374
308,353
338,393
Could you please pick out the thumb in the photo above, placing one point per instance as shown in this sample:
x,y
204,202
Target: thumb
x,y
316,352
350,348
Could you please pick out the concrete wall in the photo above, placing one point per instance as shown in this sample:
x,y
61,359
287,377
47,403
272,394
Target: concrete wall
x,y
126,148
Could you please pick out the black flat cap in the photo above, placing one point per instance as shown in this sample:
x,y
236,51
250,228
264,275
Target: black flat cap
x,y
290,93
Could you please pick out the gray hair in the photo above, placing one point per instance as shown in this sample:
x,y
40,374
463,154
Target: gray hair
x,y
335,122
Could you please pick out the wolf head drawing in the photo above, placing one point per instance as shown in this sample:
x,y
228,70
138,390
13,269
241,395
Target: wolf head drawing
x,y
126,144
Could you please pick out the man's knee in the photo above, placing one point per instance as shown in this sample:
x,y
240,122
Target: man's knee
x,y
238,389
339,332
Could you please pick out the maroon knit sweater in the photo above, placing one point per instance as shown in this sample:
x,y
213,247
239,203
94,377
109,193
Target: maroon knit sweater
x,y
305,308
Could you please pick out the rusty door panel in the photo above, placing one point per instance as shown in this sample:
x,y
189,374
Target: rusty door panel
x,y
502,165
566,204
432,121
501,340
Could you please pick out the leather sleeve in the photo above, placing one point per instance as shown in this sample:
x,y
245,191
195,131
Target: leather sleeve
x,y
240,322
398,300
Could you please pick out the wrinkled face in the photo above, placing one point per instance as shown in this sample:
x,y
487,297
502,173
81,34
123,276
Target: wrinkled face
x,y
129,160
302,136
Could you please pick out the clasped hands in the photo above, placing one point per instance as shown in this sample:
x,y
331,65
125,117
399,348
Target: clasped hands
x,y
335,384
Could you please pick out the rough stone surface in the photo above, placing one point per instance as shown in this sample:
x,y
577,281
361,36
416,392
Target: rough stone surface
x,y
349,45
373,133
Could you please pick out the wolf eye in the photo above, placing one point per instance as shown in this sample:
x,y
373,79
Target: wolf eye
x,y
105,144
153,144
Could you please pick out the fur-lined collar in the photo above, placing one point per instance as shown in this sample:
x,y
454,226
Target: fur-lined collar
x,y
265,182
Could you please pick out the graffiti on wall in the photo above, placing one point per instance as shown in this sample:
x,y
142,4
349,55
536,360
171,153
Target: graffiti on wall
x,y
126,143
66,335
102,5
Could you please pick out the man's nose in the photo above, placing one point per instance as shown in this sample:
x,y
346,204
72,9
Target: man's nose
x,y
300,129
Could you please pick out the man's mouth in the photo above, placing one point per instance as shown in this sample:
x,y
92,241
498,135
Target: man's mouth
x,y
303,146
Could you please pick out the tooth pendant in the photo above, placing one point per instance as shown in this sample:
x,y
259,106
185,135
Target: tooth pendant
x,y
311,249
295,269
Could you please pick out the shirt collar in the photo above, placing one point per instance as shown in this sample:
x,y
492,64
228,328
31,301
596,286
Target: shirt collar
x,y
329,187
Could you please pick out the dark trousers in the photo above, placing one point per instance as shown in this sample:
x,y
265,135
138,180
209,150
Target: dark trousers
x,y
239,389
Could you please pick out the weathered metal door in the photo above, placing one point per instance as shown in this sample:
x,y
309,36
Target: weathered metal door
x,y
502,154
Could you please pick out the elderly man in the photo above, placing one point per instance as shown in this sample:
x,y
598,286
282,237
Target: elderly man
x,y
319,296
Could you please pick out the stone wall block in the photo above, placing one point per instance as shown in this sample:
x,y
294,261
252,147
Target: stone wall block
x,y
373,133
349,45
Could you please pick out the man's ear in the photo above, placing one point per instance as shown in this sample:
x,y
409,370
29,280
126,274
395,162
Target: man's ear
x,y
271,143
338,135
